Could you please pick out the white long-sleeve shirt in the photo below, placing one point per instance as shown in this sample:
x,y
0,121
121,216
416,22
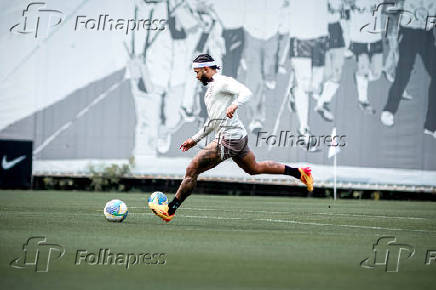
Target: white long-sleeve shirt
x,y
221,93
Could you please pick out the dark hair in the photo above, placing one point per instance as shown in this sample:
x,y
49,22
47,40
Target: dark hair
x,y
206,58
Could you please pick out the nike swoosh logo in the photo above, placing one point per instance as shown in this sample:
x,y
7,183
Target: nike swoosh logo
x,y
9,164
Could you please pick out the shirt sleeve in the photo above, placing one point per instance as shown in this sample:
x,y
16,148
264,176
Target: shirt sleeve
x,y
233,87
209,126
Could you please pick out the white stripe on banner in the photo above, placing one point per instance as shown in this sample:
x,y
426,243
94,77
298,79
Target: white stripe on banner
x,y
67,125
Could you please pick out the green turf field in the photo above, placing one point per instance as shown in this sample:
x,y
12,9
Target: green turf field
x,y
218,242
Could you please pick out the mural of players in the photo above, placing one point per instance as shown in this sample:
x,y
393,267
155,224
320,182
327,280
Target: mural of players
x,y
166,53
345,24
209,40
146,97
367,46
308,45
392,13
229,16
259,57
334,61
416,38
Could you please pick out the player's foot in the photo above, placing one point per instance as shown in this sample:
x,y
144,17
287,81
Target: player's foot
x,y
389,76
431,133
387,118
255,126
306,177
366,107
271,85
324,112
163,142
348,53
161,211
187,115
406,96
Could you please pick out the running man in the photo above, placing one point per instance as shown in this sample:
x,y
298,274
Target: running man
x,y
223,97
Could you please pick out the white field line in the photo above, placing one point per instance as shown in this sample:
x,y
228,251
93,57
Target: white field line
x,y
224,210
262,220
345,226
370,216
300,223
289,212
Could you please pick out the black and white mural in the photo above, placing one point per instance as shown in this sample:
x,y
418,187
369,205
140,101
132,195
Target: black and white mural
x,y
101,82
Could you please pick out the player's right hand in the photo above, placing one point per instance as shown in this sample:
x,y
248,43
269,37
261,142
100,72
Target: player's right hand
x,y
188,144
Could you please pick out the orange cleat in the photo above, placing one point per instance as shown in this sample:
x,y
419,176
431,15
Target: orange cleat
x,y
306,177
161,211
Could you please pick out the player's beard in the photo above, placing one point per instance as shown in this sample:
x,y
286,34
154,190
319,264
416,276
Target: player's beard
x,y
205,80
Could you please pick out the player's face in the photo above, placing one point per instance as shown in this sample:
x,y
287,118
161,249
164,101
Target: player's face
x,y
204,75
199,72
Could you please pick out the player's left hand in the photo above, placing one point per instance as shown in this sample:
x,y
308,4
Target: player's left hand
x,y
231,110
188,144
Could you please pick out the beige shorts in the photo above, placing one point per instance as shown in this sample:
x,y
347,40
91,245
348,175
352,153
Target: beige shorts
x,y
234,148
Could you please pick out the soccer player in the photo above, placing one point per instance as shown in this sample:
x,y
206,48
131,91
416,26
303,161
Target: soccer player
x,y
416,38
223,97
165,52
260,56
308,31
392,14
334,61
209,40
367,46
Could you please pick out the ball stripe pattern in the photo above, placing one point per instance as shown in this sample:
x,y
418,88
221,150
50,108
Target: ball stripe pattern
x,y
115,210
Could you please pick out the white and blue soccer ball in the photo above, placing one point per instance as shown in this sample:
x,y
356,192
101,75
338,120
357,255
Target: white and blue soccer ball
x,y
115,210
158,198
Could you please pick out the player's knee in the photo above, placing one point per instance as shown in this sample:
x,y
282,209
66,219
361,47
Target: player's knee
x,y
363,68
304,84
253,170
191,172
376,74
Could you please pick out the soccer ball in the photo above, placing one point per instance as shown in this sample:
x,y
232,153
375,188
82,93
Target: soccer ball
x,y
115,210
158,198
